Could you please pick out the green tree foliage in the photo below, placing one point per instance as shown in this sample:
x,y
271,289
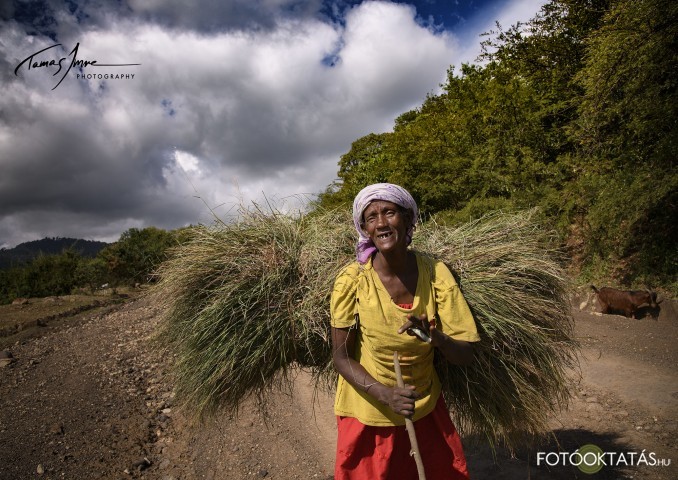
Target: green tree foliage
x,y
362,165
574,112
91,273
627,129
483,138
9,280
136,254
548,51
132,259
44,276
628,111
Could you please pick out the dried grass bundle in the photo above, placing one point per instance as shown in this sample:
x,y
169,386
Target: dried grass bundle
x,y
247,302
517,292
227,297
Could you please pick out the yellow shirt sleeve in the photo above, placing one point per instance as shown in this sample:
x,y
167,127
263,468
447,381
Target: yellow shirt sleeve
x,y
453,311
342,300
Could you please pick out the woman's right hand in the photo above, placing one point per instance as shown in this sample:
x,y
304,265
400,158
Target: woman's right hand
x,y
401,400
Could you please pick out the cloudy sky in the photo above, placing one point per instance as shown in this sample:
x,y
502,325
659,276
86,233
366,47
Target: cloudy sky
x,y
178,107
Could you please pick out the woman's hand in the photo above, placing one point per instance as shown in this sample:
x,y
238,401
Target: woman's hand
x,y
400,400
457,352
419,327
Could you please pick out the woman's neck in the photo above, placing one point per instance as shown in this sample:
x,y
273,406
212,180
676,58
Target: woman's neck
x,y
392,263
399,275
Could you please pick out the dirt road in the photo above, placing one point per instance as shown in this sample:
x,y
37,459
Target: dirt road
x,y
93,399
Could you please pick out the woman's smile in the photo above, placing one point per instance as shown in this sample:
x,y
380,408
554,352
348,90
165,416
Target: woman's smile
x,y
385,223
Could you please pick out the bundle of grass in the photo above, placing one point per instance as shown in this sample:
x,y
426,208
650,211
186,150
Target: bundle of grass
x,y
227,296
247,302
327,246
517,292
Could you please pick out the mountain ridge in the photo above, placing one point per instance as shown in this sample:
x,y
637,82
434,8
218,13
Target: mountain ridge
x,y
27,251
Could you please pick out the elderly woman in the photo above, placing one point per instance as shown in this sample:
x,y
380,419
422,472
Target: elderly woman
x,y
388,292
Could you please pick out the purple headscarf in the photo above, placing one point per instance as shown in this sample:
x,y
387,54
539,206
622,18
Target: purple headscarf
x,y
387,192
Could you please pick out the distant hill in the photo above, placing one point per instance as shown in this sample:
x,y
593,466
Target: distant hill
x,y
25,252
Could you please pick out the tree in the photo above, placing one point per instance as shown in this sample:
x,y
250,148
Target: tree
x,y
91,273
136,254
627,129
364,164
628,111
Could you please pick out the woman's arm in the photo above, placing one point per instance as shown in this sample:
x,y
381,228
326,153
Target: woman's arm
x,y
400,400
457,352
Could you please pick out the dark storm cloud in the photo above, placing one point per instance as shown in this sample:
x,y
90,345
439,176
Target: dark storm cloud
x,y
52,17
217,15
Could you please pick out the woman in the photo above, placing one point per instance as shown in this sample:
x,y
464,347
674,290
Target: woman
x,y
390,291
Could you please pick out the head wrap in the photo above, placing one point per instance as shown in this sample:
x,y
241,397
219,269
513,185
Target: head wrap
x,y
387,192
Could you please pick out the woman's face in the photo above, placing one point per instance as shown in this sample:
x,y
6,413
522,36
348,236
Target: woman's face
x,y
386,224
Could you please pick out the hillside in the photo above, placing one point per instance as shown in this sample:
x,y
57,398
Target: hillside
x,y
25,252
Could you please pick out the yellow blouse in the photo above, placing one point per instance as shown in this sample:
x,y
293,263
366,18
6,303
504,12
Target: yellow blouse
x,y
359,290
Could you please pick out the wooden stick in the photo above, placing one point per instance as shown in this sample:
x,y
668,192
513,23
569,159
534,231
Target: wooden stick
x,y
409,425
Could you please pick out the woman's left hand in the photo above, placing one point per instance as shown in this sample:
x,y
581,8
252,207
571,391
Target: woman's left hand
x,y
422,324
457,352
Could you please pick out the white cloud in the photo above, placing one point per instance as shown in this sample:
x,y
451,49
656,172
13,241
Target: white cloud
x,y
188,162
223,115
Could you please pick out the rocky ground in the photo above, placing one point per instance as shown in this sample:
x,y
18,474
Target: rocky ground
x,y
92,398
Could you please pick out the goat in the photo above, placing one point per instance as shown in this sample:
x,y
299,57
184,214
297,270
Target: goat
x,y
627,301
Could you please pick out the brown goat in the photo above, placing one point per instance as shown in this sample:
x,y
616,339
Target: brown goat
x,y
627,301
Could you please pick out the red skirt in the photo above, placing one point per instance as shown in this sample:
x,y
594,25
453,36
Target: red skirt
x,y
383,453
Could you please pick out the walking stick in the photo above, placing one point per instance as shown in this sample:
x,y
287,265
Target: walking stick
x,y
409,425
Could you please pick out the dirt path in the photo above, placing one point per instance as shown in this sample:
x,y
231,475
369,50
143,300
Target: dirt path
x,y
94,400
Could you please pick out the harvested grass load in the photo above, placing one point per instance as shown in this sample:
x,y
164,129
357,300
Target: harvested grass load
x,y
248,302
228,294
518,296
